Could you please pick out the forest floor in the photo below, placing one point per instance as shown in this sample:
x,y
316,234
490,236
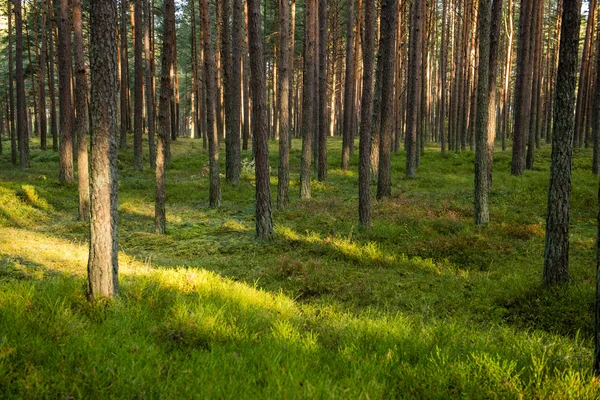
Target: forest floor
x,y
424,305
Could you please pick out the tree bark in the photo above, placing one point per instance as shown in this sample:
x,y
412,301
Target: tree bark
x,y
556,254
322,114
22,132
82,123
264,221
11,95
211,97
308,121
284,103
348,89
414,77
364,152
124,76
237,42
42,77
64,89
482,214
164,117
138,111
103,266
150,87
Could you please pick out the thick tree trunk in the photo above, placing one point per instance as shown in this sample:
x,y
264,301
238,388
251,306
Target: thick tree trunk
x,y
211,97
264,221
366,117
22,132
103,266
556,254
164,117
82,123
284,103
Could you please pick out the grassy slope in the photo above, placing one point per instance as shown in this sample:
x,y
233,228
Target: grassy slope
x,y
424,304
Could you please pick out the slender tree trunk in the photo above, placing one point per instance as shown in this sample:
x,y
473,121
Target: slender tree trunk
x,y
22,133
364,169
246,84
482,125
596,113
348,89
308,123
231,174
556,254
264,221
284,115
82,123
443,77
322,114
584,80
41,77
138,112
150,89
103,266
494,51
124,76
536,46
211,96
13,135
414,77
237,42
522,102
164,117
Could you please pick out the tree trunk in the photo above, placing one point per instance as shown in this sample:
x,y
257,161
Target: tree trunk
x,y
150,89
495,26
103,266
322,114
596,113
414,76
22,133
42,77
164,117
522,101
124,76
556,254
482,126
11,95
211,97
284,103
237,42
366,117
264,221
584,79
348,89
82,123
309,123
138,111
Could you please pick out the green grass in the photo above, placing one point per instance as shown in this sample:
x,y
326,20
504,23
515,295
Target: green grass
x,y
424,305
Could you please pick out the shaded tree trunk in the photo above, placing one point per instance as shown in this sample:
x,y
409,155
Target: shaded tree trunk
x,y
237,42
414,77
284,103
11,95
264,221
322,114
150,87
22,132
64,89
556,253
138,111
124,76
366,117
164,118
211,96
348,89
42,77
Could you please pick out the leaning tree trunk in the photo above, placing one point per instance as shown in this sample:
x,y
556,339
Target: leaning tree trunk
x,y
556,254
103,265
264,221
82,123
